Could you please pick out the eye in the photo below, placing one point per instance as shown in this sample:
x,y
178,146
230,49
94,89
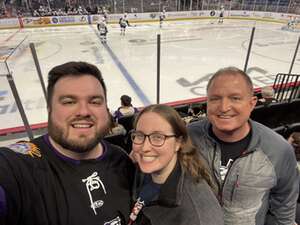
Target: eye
x,y
157,137
97,101
138,135
68,101
213,98
236,98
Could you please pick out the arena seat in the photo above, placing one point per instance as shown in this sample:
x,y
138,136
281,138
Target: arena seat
x,y
281,130
183,110
272,115
119,140
295,127
127,122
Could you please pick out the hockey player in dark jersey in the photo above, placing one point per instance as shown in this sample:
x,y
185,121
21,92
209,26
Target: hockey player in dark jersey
x,y
69,176
102,28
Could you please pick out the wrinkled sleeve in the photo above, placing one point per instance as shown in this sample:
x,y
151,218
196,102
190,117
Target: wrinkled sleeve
x,y
9,188
283,197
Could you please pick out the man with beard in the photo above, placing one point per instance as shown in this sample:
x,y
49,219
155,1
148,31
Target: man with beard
x,y
69,176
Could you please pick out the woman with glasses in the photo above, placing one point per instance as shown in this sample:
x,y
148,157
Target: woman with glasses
x,y
172,185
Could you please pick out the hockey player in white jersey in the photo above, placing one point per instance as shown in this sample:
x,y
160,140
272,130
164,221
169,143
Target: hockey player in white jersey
x,y
102,28
123,24
162,17
221,15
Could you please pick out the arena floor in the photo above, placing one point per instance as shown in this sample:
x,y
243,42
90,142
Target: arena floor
x,y
191,51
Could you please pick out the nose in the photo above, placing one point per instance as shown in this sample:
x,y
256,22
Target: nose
x,y
83,109
146,145
225,105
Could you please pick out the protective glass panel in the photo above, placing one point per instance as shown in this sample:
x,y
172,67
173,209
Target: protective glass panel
x,y
22,68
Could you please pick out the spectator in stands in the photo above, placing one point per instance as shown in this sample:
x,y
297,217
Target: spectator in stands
x,y
267,94
36,13
115,127
254,168
294,140
126,108
68,176
173,186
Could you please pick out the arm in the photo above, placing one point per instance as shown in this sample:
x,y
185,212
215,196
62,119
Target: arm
x,y
9,189
3,209
283,197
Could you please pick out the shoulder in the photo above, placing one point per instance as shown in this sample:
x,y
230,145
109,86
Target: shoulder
x,y
199,191
203,202
198,131
116,154
198,126
268,140
273,145
22,148
135,109
114,150
119,162
117,113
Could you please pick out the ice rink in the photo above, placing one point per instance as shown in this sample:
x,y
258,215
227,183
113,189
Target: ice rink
x,y
191,50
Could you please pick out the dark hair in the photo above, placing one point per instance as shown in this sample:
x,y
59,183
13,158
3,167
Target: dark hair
x,y
188,155
126,100
296,143
231,71
75,69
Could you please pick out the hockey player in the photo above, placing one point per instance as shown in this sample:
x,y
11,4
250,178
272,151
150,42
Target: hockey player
x,y
102,28
221,15
123,24
162,17
291,23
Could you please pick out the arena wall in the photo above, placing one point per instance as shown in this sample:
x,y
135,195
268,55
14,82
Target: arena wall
x,y
27,22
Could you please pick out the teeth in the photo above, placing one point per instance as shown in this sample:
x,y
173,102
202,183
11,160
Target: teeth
x,y
81,125
224,117
148,158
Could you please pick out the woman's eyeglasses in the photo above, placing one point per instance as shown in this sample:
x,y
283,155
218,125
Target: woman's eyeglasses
x,y
155,139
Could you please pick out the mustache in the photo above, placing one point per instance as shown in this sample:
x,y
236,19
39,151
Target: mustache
x,y
80,118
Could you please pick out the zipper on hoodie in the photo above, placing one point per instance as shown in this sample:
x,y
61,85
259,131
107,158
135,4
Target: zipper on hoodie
x,y
235,186
214,174
237,183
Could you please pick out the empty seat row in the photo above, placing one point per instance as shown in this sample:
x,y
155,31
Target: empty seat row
x,y
287,130
277,114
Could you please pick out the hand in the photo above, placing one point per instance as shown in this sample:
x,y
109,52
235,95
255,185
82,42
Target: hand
x,y
132,156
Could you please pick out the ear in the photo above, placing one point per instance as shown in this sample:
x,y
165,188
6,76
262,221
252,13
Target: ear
x,y
178,144
253,102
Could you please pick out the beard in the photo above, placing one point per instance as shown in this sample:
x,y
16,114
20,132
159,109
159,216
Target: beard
x,y
81,144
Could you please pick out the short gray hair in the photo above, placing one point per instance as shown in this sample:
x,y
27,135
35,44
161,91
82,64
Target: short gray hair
x,y
231,71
